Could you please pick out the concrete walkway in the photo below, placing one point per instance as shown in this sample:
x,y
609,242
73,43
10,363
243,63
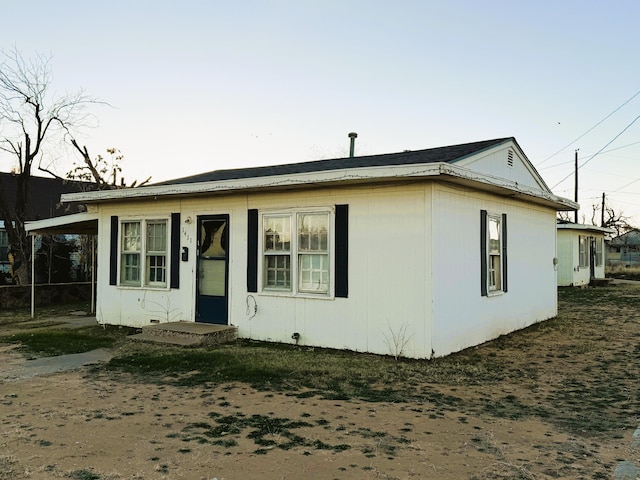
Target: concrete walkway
x,y
23,370
15,367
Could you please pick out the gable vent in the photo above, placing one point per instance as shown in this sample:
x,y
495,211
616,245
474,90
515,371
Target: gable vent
x,y
510,158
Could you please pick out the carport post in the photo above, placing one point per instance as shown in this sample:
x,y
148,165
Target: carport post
x,y
33,276
93,274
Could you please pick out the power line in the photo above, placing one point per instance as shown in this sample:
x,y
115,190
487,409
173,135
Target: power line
x,y
625,186
571,161
567,146
599,151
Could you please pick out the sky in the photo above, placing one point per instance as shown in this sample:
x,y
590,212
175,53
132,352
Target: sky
x,y
195,86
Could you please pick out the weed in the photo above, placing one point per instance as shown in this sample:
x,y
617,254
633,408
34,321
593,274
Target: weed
x,y
266,431
396,340
8,467
485,443
84,475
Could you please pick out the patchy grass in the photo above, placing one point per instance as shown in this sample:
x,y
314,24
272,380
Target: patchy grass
x,y
305,372
267,432
571,371
17,316
623,272
561,370
53,342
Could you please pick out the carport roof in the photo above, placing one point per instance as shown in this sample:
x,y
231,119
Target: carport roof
x,y
79,223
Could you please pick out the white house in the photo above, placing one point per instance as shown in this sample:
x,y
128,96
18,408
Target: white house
x,y
436,249
581,253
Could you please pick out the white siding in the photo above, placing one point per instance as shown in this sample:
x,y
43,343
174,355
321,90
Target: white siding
x,y
388,227
498,163
386,287
570,273
599,270
463,317
567,257
411,271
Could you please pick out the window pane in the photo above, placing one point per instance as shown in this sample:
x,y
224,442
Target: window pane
x,y
131,237
157,237
494,272
494,235
130,269
278,271
313,273
312,232
277,233
156,269
583,260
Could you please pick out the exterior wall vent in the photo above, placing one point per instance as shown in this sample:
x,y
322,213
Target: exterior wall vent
x,y
510,158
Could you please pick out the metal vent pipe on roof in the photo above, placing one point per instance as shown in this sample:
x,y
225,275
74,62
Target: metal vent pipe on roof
x,y
352,136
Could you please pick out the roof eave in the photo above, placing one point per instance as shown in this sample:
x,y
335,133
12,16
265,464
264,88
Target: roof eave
x,y
507,188
584,227
446,171
77,223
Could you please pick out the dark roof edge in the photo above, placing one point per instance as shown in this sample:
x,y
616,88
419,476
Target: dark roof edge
x,y
446,154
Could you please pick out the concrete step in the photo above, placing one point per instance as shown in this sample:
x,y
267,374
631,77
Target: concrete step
x,y
178,341
187,334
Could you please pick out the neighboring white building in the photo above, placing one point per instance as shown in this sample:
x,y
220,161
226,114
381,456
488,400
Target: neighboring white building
x,y
442,249
581,254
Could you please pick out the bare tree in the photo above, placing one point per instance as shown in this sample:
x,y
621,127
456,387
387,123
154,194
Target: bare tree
x,y
616,220
610,218
100,172
30,115
565,217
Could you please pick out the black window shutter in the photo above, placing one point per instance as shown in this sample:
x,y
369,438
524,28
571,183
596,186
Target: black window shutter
x,y
342,251
504,252
483,252
252,250
113,252
175,251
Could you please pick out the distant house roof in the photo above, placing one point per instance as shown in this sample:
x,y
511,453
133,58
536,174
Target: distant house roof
x,y
632,237
45,195
448,154
566,225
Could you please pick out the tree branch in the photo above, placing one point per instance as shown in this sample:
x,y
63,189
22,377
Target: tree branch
x,y
87,160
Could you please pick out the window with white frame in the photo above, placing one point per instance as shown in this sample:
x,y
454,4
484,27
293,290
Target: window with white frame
x,y
599,252
495,252
583,249
143,248
296,252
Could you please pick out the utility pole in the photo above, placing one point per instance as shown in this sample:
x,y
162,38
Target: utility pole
x,y
576,185
602,212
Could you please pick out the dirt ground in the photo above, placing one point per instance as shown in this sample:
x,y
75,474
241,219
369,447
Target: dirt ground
x,y
577,381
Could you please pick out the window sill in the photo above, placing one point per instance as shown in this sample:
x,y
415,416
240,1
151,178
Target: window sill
x,y
495,293
146,287
289,294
